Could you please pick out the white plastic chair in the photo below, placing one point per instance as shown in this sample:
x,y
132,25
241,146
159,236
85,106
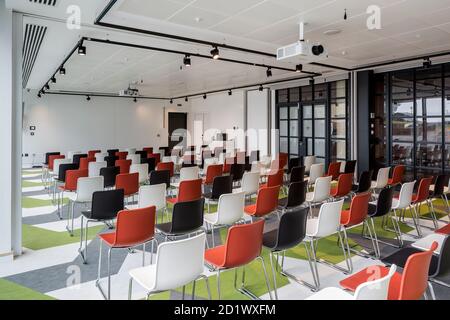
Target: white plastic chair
x,y
100,156
230,210
152,195
135,158
142,169
250,183
308,162
382,178
131,151
371,290
94,168
316,171
167,273
321,192
188,173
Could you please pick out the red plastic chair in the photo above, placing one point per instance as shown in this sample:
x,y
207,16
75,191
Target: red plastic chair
x,y
411,284
121,155
444,230
51,160
84,162
274,179
124,165
157,156
166,166
344,186
214,170
133,228
70,185
397,175
423,192
266,202
227,165
243,245
357,212
129,182
148,149
283,159
334,170
91,153
189,190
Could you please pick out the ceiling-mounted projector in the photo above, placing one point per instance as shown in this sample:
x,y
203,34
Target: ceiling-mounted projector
x,y
130,92
302,49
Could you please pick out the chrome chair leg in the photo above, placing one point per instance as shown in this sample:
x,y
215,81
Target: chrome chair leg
x,y
275,289
130,288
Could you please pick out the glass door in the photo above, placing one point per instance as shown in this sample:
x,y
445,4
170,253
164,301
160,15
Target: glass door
x,y
289,130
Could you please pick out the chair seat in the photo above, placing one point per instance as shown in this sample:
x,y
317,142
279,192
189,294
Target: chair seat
x,y
250,209
370,274
444,230
331,293
145,276
211,218
216,256
424,244
399,258
270,239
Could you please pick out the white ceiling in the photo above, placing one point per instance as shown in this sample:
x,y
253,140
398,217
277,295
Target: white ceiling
x,y
409,27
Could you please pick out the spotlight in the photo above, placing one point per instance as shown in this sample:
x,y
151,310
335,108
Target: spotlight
x,y
39,94
186,99
298,68
427,63
260,88
82,50
204,96
135,100
345,14
62,70
47,87
53,79
311,82
88,98
269,72
215,53
230,92
187,61
171,101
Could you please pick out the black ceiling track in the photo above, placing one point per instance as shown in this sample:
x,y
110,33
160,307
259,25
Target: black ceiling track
x,y
101,95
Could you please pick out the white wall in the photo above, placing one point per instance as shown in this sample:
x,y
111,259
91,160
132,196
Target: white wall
x,y
258,121
65,123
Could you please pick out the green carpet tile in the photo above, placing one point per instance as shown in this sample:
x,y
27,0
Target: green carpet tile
x,y
12,291
28,202
29,184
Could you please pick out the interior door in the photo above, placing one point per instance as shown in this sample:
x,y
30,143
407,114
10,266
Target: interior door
x,y
177,129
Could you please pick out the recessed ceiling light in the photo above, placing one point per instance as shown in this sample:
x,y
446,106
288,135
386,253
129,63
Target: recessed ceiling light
x,y
198,19
331,32
344,53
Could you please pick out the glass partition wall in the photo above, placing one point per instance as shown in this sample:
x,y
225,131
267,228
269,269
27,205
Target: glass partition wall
x,y
313,120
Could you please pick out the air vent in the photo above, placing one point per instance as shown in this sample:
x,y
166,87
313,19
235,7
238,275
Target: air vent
x,y
51,3
34,35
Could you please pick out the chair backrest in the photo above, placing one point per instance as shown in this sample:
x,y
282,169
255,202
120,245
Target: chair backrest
x,y
187,216
100,156
107,204
405,196
56,162
77,158
297,174
84,162
221,185
112,152
382,177
254,156
72,177
358,209
151,162
237,170
316,171
296,194
414,280
168,273
189,173
275,179
365,181
92,153
309,161
190,190
292,228
111,161
63,168
47,156
148,149
345,184
52,158
156,156
250,182
129,182
152,195
267,200
135,158
334,170
237,254
283,160
94,168
161,176
142,170
135,226
397,174
424,189
109,174
439,185
329,219
124,165
142,154
443,266
212,171
122,155
350,166
87,186
384,202
322,189
230,208
294,162
130,150
166,166
377,289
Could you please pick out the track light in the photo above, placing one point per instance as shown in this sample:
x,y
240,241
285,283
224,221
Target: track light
x,y
269,72
345,14
186,99
187,61
82,50
171,101
47,87
427,63
311,82
39,94
88,98
230,92
204,96
215,53
298,68
260,88
62,71
53,79
135,100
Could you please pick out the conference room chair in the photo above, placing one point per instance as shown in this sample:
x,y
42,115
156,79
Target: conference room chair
x,y
371,290
364,182
344,186
84,163
242,246
410,284
397,175
189,190
129,182
109,176
158,177
50,172
45,166
85,188
274,179
296,196
104,208
290,232
316,171
187,219
130,151
419,198
142,154
121,155
308,162
350,167
166,166
70,185
111,161
142,170
237,171
212,171
77,158
189,161
249,184
254,156
148,149
321,192
60,181
266,202
151,162
221,185
382,179
438,192
187,173
100,156
112,152
135,158
92,153
334,170
283,159
133,228
94,168
297,174
294,162
230,210
124,165
152,195
166,274
228,161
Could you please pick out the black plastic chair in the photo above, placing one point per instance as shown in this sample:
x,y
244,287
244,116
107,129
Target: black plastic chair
x,y
109,176
350,166
294,162
237,170
151,163
296,195
438,192
111,161
221,185
77,157
48,154
160,176
187,218
143,154
290,232
105,207
63,168
297,174
439,271
112,152
364,183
